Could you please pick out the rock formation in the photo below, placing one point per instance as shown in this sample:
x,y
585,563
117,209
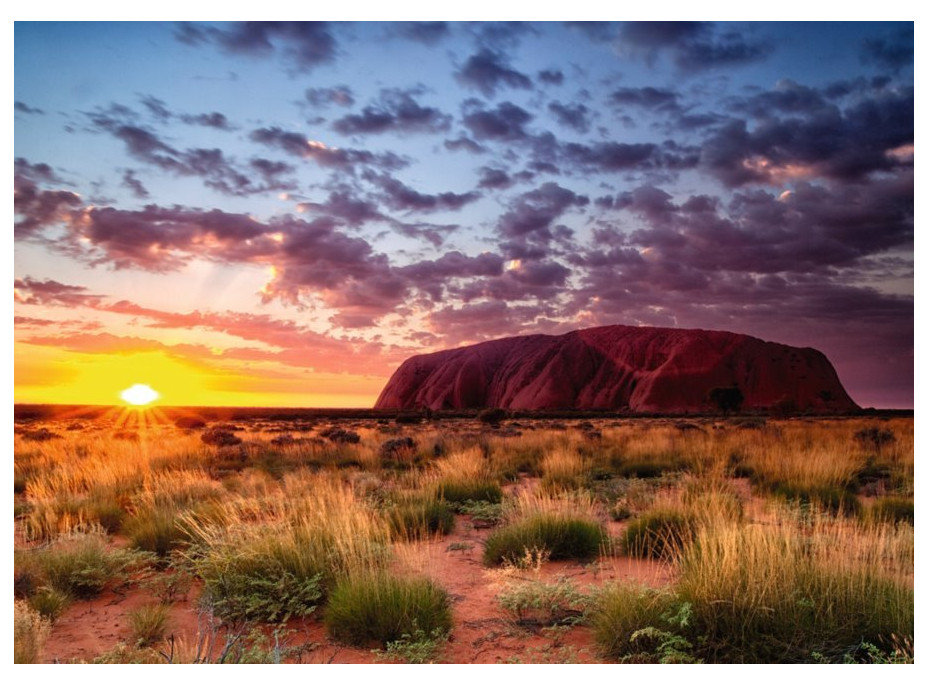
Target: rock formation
x,y
624,368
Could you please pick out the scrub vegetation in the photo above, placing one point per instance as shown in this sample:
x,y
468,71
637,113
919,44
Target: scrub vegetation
x,y
783,540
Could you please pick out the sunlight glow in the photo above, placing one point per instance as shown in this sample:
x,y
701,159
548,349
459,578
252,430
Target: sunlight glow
x,y
140,394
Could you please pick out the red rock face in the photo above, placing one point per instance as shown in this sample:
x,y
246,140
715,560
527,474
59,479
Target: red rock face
x,y
636,369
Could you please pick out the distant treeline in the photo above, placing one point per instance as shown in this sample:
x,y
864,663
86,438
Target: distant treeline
x,y
26,412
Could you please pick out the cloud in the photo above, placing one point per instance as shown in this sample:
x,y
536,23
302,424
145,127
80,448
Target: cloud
x,y
209,164
530,219
29,291
396,111
298,145
891,52
799,134
323,97
35,209
552,77
488,70
20,106
647,97
691,46
130,181
399,196
303,45
504,123
425,32
574,116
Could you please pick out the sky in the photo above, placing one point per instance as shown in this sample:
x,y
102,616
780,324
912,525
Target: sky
x,y
278,214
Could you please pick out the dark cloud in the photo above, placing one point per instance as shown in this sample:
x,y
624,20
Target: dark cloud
x,y
574,116
464,143
344,205
596,31
20,106
34,208
530,220
399,196
432,276
396,111
322,97
692,46
891,52
504,123
553,77
160,111
872,134
425,32
487,71
612,156
304,45
648,97
209,164
298,145
130,181
493,178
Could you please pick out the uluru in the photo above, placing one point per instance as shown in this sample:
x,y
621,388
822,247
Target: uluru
x,y
622,368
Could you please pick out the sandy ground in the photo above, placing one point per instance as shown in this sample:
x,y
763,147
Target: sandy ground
x,y
483,631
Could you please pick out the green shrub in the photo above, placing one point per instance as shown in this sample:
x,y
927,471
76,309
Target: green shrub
x,y
420,518
536,603
82,565
454,492
620,611
49,602
833,499
562,536
659,534
257,584
379,608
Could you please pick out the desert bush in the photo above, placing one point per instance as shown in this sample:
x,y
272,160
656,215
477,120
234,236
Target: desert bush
x,y
659,534
892,509
82,565
418,648
148,624
189,423
397,448
49,602
620,611
562,535
773,594
30,631
536,603
218,436
419,518
457,492
492,415
874,437
378,608
834,499
339,435
156,530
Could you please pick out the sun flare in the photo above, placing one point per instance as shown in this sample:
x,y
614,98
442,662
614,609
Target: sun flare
x,y
140,394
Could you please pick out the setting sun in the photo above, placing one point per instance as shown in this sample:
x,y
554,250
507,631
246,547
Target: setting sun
x,y
140,394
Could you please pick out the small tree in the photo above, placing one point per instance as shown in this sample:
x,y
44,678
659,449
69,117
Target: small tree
x,y
728,399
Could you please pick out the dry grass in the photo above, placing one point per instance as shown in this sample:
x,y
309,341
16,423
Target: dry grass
x,y
310,506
